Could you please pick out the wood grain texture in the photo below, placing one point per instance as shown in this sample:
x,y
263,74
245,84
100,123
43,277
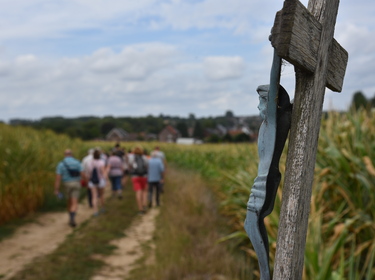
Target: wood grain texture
x,y
296,36
303,141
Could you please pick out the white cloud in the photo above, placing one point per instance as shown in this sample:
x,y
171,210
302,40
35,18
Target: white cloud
x,y
96,57
110,81
221,68
133,62
25,59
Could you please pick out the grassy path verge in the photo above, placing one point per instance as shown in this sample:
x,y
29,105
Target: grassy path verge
x,y
187,232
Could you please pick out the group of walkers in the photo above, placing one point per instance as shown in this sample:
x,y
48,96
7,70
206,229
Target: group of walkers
x,y
145,171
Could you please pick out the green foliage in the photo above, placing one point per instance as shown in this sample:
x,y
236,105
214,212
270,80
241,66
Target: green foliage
x,y
227,138
340,242
91,128
360,101
213,139
198,130
182,128
346,182
242,137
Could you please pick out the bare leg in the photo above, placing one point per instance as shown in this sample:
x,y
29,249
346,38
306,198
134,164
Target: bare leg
x,y
94,192
101,197
124,180
144,198
138,195
73,204
72,209
150,191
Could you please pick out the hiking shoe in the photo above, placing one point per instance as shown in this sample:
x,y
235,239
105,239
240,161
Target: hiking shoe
x,y
141,212
72,224
102,211
96,214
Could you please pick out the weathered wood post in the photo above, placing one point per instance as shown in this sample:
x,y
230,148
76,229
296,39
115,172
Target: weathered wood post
x,y
304,37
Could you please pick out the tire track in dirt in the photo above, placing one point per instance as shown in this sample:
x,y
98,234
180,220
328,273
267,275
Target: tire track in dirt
x,y
129,249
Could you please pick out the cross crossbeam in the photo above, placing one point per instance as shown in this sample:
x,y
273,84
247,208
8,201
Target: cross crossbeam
x,y
296,37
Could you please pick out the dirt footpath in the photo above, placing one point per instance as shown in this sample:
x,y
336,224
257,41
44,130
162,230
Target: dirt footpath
x,y
36,239
129,248
50,230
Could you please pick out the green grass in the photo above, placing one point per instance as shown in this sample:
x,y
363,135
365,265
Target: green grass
x,y
187,236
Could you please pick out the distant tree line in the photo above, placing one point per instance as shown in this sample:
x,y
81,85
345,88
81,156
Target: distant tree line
x,y
360,101
91,127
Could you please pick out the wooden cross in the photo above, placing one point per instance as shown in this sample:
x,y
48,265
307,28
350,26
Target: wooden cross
x,y
304,37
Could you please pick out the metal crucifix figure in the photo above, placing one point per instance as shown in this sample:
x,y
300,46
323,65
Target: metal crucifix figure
x,y
275,109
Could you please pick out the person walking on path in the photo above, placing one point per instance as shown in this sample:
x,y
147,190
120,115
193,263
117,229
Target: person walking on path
x,y
115,171
97,182
69,173
138,168
86,168
125,164
155,177
161,155
118,150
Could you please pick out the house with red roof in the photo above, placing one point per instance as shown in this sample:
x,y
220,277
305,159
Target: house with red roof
x,y
169,134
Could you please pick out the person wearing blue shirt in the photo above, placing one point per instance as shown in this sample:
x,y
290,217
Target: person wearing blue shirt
x,y
68,173
155,177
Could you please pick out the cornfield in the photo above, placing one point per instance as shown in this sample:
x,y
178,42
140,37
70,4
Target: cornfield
x,y
340,242
28,160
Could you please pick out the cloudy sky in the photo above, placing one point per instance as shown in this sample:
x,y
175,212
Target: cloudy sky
x,y
138,57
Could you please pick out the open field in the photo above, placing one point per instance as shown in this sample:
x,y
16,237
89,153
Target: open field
x,y
340,243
